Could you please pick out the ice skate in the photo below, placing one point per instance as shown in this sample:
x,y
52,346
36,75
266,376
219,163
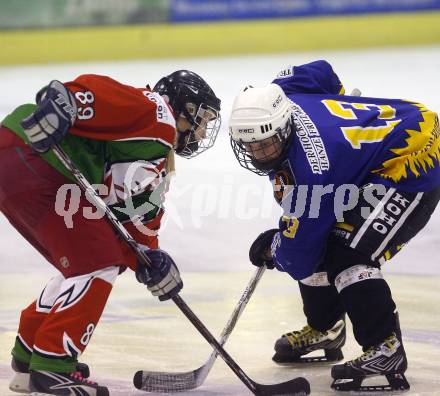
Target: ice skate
x,y
20,381
387,359
291,347
44,383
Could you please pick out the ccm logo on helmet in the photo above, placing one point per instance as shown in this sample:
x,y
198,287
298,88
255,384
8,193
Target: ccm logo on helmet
x,y
246,130
277,101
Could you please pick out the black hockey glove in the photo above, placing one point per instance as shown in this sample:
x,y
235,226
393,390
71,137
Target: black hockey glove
x,y
259,252
162,276
55,114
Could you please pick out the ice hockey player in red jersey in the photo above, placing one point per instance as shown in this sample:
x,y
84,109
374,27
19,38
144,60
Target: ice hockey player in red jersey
x,y
357,178
122,139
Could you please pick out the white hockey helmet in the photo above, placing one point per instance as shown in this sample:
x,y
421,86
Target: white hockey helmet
x,y
260,114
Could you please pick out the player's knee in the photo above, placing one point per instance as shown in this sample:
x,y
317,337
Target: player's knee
x,y
341,258
356,274
318,279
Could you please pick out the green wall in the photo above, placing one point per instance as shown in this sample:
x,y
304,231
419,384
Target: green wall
x,y
213,39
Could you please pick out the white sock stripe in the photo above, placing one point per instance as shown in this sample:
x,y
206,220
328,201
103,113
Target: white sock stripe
x,y
24,343
355,274
43,352
397,226
316,280
371,217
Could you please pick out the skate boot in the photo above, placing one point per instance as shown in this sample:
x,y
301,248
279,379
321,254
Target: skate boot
x,y
44,383
20,382
291,347
387,359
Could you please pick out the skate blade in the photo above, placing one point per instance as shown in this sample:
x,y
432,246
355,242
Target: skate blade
x,y
370,392
301,362
397,384
20,383
40,394
329,357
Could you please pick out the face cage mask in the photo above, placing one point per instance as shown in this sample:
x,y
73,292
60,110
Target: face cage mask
x,y
246,160
203,133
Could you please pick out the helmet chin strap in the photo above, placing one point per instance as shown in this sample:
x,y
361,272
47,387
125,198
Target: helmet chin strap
x,y
186,143
276,162
271,165
181,140
186,139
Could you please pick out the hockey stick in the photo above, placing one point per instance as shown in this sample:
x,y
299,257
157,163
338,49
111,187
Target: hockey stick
x,y
298,386
156,381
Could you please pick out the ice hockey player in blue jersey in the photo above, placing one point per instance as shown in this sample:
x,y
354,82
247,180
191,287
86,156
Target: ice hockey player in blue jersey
x,y
357,178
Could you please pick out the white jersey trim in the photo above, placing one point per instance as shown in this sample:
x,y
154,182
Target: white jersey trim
x,y
164,142
371,217
397,226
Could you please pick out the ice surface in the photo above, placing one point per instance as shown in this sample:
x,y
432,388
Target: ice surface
x,y
215,210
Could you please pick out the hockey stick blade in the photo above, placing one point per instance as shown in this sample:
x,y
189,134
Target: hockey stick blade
x,y
184,381
296,387
163,382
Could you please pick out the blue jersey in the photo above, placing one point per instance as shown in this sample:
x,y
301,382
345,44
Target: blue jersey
x,y
341,142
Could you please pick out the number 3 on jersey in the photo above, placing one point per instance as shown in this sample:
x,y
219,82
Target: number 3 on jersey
x,y
87,99
292,224
356,135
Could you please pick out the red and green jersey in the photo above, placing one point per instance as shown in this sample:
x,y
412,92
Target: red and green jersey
x,y
121,139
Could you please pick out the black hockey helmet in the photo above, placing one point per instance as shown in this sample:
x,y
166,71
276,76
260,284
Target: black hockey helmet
x,y
192,98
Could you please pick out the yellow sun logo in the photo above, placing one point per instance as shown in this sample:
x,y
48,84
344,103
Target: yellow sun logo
x,y
421,153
